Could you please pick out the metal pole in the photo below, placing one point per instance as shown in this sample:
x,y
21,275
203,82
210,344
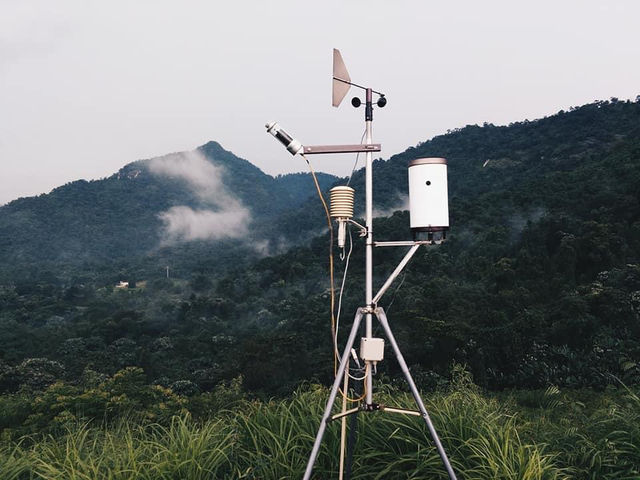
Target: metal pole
x,y
382,318
332,396
343,421
368,116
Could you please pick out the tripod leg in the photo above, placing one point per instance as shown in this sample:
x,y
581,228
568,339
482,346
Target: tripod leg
x,y
382,318
332,396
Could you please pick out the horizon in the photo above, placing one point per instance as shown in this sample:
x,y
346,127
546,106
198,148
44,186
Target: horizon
x,y
317,170
88,87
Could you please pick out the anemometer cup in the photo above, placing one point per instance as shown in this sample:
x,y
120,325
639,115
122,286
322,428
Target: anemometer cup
x,y
382,101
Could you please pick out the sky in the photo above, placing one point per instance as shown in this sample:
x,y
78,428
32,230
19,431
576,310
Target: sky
x,y
88,86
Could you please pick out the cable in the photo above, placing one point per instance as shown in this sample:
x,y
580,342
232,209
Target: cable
x,y
332,289
357,157
344,278
357,379
404,276
364,391
336,354
347,371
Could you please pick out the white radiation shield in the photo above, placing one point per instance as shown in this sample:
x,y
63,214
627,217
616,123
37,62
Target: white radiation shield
x,y
428,195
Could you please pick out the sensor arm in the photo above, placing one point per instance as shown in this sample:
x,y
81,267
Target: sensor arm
x,y
356,85
354,148
295,147
396,272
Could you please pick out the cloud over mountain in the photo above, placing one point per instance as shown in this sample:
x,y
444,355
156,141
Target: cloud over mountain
x,y
221,215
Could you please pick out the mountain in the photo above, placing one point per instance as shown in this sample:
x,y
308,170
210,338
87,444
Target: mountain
x,y
139,213
537,284
526,165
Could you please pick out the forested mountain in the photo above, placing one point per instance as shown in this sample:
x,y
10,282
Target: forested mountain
x,y
538,283
136,217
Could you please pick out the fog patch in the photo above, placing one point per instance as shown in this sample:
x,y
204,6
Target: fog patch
x,y
519,221
272,247
184,224
401,203
219,216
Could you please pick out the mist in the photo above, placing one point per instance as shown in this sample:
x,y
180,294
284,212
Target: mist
x,y
220,215
184,224
401,203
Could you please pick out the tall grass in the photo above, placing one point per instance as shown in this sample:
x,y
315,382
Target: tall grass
x,y
272,440
15,463
275,438
600,445
480,438
182,450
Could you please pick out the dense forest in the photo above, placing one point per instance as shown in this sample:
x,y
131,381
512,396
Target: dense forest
x,y
536,292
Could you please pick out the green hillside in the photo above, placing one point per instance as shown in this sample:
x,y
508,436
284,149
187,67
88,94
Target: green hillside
x,y
83,227
538,284
536,291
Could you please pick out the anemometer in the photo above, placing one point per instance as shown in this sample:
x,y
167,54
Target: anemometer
x,y
429,222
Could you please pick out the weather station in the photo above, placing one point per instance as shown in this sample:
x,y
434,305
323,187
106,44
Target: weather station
x,y
429,222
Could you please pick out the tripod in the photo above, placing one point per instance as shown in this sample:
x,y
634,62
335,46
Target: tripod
x,y
326,417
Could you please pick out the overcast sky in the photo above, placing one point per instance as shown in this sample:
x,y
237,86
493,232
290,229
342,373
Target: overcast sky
x,y
88,86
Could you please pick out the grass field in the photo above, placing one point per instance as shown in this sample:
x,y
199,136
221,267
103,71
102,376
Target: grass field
x,y
518,435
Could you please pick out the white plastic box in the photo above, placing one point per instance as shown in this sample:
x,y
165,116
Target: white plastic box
x,y
372,349
428,195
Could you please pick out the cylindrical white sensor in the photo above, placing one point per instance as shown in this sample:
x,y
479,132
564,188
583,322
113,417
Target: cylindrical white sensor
x,y
293,145
428,195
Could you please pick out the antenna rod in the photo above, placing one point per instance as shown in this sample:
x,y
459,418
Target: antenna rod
x,y
356,85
